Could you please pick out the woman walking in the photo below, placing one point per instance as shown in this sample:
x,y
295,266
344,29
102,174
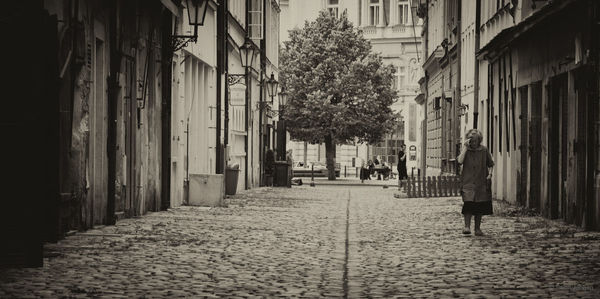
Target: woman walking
x,y
476,174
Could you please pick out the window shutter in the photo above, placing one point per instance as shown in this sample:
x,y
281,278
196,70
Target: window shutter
x,y
255,23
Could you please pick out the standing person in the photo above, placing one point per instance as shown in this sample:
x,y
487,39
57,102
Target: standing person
x,y
476,174
371,167
363,171
402,174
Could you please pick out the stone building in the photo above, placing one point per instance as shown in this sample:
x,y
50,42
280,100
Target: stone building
x,y
527,74
539,105
135,103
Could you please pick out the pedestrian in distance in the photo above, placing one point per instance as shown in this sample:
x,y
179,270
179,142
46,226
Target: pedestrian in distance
x,y
364,171
402,174
371,167
377,163
475,180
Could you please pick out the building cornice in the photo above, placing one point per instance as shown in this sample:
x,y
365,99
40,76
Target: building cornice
x,y
433,59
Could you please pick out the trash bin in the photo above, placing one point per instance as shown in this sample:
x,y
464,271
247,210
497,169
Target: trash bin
x,y
282,174
231,178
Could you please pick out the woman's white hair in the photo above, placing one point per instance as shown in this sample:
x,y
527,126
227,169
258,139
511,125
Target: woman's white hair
x,y
476,133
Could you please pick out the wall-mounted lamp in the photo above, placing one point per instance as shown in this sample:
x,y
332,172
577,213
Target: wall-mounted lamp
x,y
247,54
282,98
272,86
196,11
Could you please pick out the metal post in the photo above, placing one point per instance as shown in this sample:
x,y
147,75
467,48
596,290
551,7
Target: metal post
x,y
345,170
312,175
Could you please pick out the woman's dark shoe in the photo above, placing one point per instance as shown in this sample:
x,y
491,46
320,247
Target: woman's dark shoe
x,y
466,231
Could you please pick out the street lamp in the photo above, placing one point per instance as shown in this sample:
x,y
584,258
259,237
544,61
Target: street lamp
x,y
196,10
247,53
282,99
272,86
282,135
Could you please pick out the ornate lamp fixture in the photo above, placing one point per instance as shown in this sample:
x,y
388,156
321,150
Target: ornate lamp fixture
x,y
272,86
196,10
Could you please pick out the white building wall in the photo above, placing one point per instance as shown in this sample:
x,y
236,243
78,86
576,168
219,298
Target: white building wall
x,y
467,67
193,123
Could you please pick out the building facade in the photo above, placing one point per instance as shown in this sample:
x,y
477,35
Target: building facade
x,y
541,107
393,29
442,84
528,79
138,108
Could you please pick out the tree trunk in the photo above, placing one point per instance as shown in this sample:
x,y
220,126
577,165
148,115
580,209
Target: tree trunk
x,y
330,156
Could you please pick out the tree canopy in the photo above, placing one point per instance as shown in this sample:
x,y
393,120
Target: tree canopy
x,y
338,89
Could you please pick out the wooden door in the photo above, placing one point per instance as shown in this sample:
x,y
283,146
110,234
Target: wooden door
x,y
130,140
524,146
557,95
97,159
535,147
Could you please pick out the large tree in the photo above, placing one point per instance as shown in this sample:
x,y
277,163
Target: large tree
x,y
339,91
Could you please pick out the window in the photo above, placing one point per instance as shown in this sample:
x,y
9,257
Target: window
x,y
332,7
412,122
373,12
403,12
401,76
255,19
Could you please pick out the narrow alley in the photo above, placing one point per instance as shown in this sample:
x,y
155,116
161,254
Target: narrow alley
x,y
328,241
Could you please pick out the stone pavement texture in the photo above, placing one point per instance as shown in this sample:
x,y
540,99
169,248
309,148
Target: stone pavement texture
x,y
326,241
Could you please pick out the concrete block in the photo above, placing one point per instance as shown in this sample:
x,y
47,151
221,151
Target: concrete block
x,y
206,190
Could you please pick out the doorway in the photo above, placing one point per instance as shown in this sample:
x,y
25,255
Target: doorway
x,y
98,160
535,146
523,147
556,145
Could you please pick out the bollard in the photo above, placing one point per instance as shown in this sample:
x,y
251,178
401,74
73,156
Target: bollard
x,y
418,186
345,171
408,189
435,187
312,175
428,186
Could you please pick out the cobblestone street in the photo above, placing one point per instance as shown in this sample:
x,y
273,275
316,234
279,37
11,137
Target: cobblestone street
x,y
328,241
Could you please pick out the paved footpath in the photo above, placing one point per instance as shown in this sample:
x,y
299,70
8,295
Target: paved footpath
x,y
327,241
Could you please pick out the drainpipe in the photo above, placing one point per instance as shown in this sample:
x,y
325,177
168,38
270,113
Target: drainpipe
x,y
221,70
186,182
246,107
113,86
226,89
262,100
457,103
476,73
